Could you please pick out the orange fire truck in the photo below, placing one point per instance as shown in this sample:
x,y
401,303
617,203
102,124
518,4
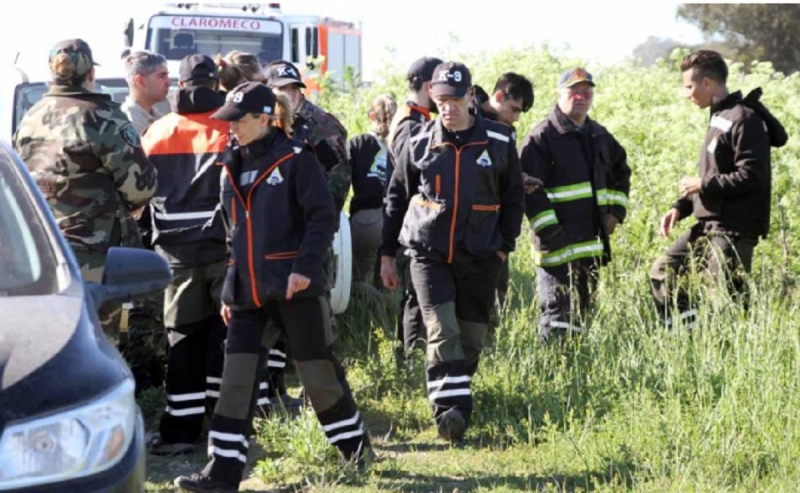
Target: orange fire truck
x,y
317,45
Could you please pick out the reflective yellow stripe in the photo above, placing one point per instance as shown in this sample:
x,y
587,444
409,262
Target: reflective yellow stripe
x,y
569,253
569,192
543,220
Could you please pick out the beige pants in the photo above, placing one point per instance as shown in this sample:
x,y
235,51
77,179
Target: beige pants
x,y
365,230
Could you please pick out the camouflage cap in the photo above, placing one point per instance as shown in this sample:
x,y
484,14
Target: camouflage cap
x,y
81,55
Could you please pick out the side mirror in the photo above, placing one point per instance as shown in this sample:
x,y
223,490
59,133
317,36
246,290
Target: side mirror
x,y
128,33
130,273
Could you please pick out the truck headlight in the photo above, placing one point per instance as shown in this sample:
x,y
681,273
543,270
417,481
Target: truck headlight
x,y
71,444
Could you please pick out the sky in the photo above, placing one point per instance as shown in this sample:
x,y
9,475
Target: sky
x,y
393,32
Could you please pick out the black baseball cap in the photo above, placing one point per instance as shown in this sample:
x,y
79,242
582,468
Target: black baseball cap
x,y
282,73
198,68
423,68
247,97
451,79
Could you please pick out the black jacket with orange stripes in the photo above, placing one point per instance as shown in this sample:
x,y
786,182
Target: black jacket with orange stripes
x,y
184,147
280,217
455,195
735,170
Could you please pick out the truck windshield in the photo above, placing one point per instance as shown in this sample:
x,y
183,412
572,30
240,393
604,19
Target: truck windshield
x,y
177,36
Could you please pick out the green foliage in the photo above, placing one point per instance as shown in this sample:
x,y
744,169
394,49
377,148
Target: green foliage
x,y
755,31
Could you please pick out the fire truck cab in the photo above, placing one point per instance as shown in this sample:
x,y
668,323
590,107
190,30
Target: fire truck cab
x,y
317,45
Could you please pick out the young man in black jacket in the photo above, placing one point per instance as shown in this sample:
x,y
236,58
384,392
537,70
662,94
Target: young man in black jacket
x,y
455,202
730,197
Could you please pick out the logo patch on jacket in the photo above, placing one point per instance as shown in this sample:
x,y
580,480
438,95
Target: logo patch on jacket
x,y
484,160
275,178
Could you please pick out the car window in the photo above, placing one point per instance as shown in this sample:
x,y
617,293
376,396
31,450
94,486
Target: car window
x,y
28,264
28,94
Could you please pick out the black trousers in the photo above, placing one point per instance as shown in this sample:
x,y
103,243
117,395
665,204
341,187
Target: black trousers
x,y
456,301
565,297
306,325
715,253
410,324
194,373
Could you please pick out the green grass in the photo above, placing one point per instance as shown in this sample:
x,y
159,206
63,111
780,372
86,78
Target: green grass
x,y
626,407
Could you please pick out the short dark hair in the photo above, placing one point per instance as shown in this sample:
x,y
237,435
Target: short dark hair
x,y
706,63
516,86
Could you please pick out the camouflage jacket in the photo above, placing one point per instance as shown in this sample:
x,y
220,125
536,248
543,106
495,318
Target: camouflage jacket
x,y
87,159
327,136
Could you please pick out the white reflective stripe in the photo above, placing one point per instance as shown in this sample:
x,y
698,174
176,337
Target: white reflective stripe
x,y
420,137
721,123
213,380
345,436
448,393
186,397
183,216
564,325
551,216
343,423
264,401
276,364
449,379
297,150
683,316
212,393
275,352
263,386
199,174
231,454
229,437
570,252
497,136
247,178
569,193
189,411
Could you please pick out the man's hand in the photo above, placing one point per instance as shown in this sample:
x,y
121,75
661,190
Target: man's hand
x,y
611,223
503,255
668,221
389,272
225,312
530,183
690,185
296,283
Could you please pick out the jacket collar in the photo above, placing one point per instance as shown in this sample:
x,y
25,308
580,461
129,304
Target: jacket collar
x,y
56,90
439,133
564,125
190,100
730,101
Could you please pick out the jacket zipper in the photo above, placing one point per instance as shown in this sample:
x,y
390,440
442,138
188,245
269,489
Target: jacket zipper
x,y
249,223
455,195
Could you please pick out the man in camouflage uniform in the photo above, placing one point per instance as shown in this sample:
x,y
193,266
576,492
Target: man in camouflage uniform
x,y
327,137
86,157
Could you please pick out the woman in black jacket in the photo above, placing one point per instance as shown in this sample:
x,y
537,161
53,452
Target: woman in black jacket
x,y
281,221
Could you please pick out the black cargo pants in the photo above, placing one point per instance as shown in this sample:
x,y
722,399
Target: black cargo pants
x,y
306,325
